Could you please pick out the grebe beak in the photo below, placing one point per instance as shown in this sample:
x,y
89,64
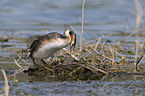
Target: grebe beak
x,y
73,41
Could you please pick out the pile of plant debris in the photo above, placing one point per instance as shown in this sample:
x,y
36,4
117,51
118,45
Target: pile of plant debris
x,y
91,60
91,65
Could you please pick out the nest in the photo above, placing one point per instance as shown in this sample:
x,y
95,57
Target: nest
x,y
66,71
93,62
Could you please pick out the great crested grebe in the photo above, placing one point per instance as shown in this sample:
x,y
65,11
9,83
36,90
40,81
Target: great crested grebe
x,y
44,46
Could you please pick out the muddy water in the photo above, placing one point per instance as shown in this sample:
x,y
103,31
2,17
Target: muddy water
x,y
125,85
22,19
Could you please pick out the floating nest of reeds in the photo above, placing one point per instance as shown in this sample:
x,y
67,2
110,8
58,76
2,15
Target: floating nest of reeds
x,y
92,67
93,62
69,71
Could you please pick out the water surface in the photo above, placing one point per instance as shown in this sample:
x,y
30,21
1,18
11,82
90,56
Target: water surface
x,y
21,19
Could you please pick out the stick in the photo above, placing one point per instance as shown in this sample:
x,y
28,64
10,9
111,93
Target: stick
x,y
18,64
6,88
98,41
82,23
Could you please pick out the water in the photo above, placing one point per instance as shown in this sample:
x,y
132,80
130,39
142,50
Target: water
x,y
81,88
127,84
24,18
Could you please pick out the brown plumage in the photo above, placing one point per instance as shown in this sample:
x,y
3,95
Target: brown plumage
x,y
44,46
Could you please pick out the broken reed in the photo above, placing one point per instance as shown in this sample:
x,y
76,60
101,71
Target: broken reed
x,y
6,87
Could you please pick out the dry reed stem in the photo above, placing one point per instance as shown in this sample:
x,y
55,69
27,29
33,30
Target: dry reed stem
x,y
139,61
74,71
88,51
18,59
88,67
115,51
105,85
6,88
138,14
140,45
50,70
136,91
16,62
92,41
83,16
83,6
136,51
98,39
98,42
67,51
138,21
97,69
137,31
112,52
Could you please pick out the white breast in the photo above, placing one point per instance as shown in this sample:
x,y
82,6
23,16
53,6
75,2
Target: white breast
x,y
48,48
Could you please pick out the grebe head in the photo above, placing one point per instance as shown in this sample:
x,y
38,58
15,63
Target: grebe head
x,y
72,35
